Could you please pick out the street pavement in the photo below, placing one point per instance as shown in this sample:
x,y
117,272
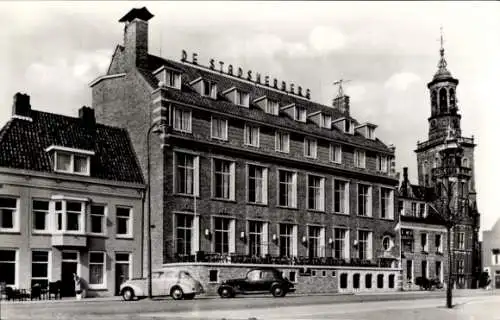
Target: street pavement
x,y
469,305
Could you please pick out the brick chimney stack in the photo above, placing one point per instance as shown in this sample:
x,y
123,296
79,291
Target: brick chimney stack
x,y
21,105
136,37
341,103
87,115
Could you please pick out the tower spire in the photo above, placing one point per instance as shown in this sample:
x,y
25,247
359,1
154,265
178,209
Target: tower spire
x,y
442,70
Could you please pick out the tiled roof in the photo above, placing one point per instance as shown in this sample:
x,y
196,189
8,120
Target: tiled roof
x,y
23,144
222,104
432,217
417,192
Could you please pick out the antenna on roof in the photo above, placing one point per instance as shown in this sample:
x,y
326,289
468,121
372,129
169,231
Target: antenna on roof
x,y
341,89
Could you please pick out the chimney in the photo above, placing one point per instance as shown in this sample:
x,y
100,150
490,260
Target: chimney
x,y
341,103
87,115
136,37
21,106
405,174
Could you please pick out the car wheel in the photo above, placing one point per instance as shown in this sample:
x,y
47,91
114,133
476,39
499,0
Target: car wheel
x,y
177,293
128,294
189,296
226,292
278,291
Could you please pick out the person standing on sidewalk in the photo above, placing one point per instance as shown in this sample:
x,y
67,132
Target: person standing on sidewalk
x,y
78,286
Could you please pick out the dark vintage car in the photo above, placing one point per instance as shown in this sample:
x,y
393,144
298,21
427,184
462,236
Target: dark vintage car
x,y
258,280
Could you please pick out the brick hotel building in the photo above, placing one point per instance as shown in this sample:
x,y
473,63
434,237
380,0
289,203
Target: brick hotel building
x,y
246,172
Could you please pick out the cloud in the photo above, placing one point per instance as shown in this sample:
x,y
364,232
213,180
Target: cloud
x,y
356,92
324,40
401,81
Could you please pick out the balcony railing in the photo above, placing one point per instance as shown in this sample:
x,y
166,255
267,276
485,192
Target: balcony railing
x,y
268,259
428,143
451,171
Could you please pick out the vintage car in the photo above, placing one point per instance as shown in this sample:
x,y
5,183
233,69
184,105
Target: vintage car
x,y
178,284
258,280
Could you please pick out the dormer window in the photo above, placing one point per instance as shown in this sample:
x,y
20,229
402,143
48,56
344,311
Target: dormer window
x,y
242,98
209,89
371,133
326,121
173,79
300,114
348,126
272,107
367,130
68,160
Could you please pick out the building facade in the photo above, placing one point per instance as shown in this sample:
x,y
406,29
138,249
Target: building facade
x,y
444,127
246,171
71,195
423,235
491,254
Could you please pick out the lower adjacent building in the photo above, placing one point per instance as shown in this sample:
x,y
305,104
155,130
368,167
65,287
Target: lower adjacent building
x,y
70,202
423,236
491,254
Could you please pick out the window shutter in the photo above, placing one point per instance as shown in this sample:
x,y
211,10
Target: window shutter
x,y
232,181
195,235
232,236
265,238
264,185
294,241
196,177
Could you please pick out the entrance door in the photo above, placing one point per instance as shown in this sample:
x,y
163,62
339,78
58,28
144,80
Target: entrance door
x,y
69,266
497,281
122,270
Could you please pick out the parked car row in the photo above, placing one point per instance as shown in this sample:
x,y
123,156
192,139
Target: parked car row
x,y
179,284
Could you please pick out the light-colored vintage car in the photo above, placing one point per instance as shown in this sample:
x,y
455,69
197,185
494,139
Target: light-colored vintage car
x,y
178,284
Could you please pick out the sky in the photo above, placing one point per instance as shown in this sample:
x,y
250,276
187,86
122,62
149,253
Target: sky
x,y
389,51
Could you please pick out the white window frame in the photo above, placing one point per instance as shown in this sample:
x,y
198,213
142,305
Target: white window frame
x,y
192,230
461,240
382,163
184,113
369,204
369,244
47,216
241,98
292,248
300,114
495,257
326,121
212,86
48,263
104,218
391,243
440,247
310,148
321,192
196,172
346,204
345,242
264,236
224,129
272,107
72,156
359,158
425,236
335,157
15,217
279,135
249,129
130,224
102,285
172,75
370,132
129,262
16,266
348,123
264,183
320,238
293,202
232,179
64,217
231,233
390,205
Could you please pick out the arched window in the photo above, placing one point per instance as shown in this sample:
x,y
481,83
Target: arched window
x,y
368,281
465,162
434,102
452,99
355,281
343,280
443,100
391,281
380,281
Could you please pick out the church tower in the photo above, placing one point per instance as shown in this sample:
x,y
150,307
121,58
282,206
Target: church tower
x,y
435,164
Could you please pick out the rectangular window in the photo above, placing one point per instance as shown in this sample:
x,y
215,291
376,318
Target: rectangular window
x,y
40,215
407,245
386,203
461,240
224,176
221,235
438,243
282,143
364,245
424,269
72,163
340,243
63,162
359,159
182,120
315,193
123,263
287,188
123,221
495,257
413,209
272,107
219,128
421,210
213,275
252,134
257,184
336,153
310,148
314,242
40,268
340,196
300,114
241,98
286,240
8,267
184,231
381,163
74,215
401,207
348,128
423,242
438,271
209,89
8,214
186,173
371,132
97,268
173,79
97,219
255,238
326,121
409,271
461,266
364,200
